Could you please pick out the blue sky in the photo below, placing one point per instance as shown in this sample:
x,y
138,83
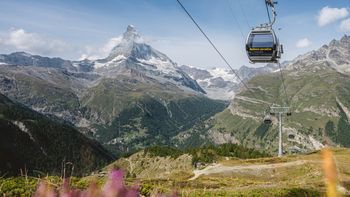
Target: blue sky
x,y
72,29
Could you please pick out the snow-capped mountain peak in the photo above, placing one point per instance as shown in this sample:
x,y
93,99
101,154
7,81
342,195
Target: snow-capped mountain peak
x,y
133,54
131,34
132,46
127,44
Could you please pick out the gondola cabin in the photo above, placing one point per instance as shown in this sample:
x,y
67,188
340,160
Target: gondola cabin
x,y
262,45
267,119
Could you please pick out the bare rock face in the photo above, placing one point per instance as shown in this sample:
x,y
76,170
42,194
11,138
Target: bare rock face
x,y
335,55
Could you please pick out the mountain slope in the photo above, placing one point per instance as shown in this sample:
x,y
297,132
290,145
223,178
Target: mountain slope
x,y
32,141
47,90
134,97
138,114
142,98
319,92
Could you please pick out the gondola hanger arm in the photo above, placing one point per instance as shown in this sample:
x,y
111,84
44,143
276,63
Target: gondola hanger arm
x,y
271,4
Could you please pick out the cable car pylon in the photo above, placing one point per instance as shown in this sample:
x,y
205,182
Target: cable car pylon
x,y
273,110
263,46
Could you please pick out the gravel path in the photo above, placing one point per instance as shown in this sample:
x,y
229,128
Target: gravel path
x,y
219,168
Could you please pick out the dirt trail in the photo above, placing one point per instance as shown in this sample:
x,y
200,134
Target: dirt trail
x,y
219,168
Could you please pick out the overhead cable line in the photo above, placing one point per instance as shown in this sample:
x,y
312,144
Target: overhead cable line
x,y
283,84
271,4
244,15
216,49
235,18
267,10
213,45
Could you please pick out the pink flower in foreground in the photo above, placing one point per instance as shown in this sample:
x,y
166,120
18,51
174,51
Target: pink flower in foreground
x,y
44,191
114,187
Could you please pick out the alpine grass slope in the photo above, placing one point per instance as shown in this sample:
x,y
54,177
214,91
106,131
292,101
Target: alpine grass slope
x,y
318,89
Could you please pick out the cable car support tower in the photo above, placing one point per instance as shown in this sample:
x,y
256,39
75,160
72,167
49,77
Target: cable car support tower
x,y
277,110
280,111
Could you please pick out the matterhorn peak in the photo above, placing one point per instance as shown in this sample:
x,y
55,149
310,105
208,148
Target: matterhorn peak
x,y
131,34
133,46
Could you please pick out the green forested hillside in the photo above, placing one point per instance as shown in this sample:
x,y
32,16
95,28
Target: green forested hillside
x,y
134,114
32,141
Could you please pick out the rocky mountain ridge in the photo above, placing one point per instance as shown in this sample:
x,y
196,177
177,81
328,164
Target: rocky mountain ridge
x,y
124,100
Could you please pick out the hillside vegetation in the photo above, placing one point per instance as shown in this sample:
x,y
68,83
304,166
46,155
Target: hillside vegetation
x,y
300,175
138,114
32,142
320,113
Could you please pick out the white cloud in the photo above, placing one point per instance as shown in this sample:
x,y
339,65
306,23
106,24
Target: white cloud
x,y
345,25
329,15
94,53
303,43
20,40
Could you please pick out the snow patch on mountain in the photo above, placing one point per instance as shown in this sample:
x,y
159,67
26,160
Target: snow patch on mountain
x,y
164,66
220,83
225,74
113,62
